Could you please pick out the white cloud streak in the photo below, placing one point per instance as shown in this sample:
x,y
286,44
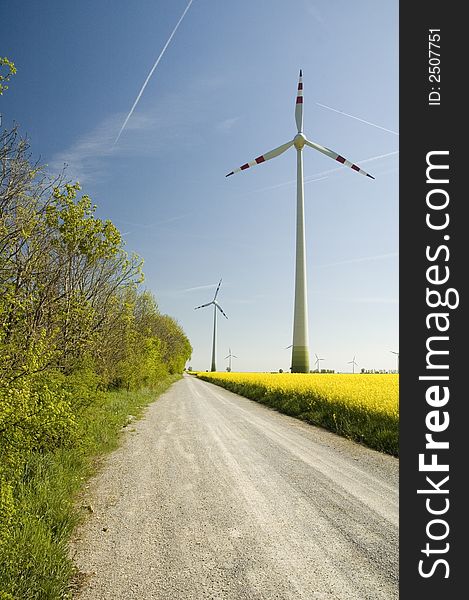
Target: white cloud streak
x,y
83,157
172,116
350,261
341,112
226,125
325,174
199,287
372,300
156,224
142,89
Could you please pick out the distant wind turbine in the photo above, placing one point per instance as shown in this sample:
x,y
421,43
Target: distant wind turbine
x,y
317,363
300,351
353,363
230,356
215,307
397,354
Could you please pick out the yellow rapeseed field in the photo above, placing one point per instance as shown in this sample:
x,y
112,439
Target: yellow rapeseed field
x,y
364,407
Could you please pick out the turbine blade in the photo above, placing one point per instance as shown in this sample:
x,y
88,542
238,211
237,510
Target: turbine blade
x,y
216,292
260,159
203,305
220,309
234,356
334,155
299,104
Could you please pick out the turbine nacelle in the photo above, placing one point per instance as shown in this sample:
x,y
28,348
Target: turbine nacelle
x,y
299,141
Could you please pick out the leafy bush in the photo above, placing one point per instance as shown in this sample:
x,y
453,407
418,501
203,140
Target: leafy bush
x,y
74,324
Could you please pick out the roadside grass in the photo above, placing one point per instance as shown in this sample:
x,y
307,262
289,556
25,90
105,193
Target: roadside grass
x,y
35,564
364,408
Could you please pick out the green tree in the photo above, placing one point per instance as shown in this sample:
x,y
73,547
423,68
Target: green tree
x,y
7,69
72,316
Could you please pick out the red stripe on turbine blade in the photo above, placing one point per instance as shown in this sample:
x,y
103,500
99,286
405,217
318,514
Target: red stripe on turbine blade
x,y
246,166
300,86
341,159
260,159
355,168
299,99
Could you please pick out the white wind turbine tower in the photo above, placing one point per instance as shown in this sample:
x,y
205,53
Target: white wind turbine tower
x,y
216,307
300,351
230,356
317,363
353,363
397,354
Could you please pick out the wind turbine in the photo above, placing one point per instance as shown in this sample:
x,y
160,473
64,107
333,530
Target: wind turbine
x,y
317,362
353,363
397,354
300,351
230,356
215,307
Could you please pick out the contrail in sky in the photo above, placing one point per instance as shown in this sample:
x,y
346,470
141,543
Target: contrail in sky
x,y
341,112
200,287
151,72
324,174
350,261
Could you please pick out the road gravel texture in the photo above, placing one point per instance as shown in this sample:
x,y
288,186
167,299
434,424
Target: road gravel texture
x,y
214,496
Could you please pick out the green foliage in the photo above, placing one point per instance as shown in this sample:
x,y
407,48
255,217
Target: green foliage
x,y
36,415
79,232
39,515
74,324
7,511
7,69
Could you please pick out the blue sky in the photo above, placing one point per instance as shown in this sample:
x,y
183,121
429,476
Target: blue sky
x,y
222,94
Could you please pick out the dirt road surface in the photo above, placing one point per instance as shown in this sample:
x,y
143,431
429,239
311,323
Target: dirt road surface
x,y
213,496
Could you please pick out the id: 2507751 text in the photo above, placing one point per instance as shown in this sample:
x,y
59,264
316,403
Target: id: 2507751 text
x,y
434,69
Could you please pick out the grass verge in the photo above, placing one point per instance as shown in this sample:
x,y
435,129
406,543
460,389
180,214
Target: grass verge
x,y
35,565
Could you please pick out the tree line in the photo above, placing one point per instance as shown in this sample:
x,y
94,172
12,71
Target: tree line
x,y
82,345
74,319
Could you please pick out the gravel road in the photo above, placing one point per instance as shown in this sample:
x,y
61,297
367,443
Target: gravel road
x,y
213,496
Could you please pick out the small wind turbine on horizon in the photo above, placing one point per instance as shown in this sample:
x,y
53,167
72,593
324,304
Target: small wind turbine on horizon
x,y
216,307
397,354
317,363
300,351
353,363
230,356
